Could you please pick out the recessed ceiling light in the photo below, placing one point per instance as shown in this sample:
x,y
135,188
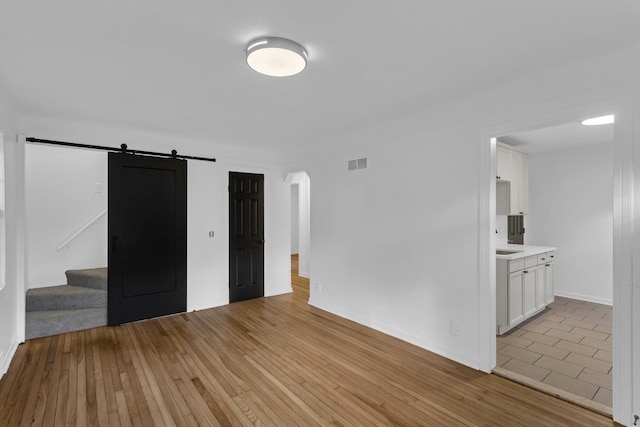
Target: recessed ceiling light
x,y
275,56
602,120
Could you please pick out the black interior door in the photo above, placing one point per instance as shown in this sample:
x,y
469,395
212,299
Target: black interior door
x,y
246,236
148,237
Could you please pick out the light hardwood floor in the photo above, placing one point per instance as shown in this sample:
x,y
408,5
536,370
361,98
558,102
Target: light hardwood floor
x,y
269,361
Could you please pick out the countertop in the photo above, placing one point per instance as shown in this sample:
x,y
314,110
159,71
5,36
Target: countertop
x,y
523,250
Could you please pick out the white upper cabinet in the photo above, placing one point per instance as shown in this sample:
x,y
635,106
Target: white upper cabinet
x,y
503,163
513,166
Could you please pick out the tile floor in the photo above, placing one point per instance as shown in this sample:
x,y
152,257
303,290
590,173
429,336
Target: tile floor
x,y
567,346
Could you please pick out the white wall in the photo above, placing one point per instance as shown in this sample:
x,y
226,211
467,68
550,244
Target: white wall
x,y
295,235
571,208
396,247
502,228
9,336
208,210
61,197
9,301
3,228
206,263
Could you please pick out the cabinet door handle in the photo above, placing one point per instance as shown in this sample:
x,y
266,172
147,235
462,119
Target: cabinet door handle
x,y
526,271
543,259
547,265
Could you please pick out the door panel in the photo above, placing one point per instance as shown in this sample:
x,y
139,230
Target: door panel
x,y
514,289
529,291
540,287
246,236
548,283
148,235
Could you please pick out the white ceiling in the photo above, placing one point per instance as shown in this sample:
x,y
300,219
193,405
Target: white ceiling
x,y
179,68
559,137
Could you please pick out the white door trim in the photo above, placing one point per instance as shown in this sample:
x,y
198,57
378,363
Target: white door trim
x,y
623,238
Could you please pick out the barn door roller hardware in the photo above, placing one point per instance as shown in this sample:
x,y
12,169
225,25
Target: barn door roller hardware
x,y
123,149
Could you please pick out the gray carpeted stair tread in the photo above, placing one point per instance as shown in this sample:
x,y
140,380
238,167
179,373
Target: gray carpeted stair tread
x,y
95,278
54,322
81,304
65,297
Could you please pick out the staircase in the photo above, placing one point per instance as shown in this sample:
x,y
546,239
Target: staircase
x,y
80,304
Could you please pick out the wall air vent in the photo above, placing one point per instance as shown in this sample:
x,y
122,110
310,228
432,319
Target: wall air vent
x,y
357,164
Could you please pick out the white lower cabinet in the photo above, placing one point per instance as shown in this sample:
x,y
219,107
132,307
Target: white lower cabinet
x,y
524,287
548,283
515,297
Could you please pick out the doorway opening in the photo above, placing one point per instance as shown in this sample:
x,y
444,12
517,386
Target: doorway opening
x,y
558,189
66,239
300,232
623,213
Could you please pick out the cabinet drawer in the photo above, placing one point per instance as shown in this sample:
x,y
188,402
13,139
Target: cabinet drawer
x,y
531,261
550,256
516,265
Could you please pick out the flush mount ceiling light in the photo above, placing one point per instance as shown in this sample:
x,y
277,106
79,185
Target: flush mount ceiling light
x,y
602,120
275,56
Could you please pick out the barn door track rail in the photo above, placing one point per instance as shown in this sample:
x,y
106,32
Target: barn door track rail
x,y
123,149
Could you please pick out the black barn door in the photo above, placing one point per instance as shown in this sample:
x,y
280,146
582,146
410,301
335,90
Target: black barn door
x,y
147,237
246,236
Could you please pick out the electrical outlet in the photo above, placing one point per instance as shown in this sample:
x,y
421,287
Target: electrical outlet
x,y
318,287
455,328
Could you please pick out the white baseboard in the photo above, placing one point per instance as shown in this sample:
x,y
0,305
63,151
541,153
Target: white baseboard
x,y
582,297
6,356
279,292
386,329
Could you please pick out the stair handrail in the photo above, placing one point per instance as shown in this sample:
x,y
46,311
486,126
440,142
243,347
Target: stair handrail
x,y
69,239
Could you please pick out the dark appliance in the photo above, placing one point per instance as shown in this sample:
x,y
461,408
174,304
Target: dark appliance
x,y
515,227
